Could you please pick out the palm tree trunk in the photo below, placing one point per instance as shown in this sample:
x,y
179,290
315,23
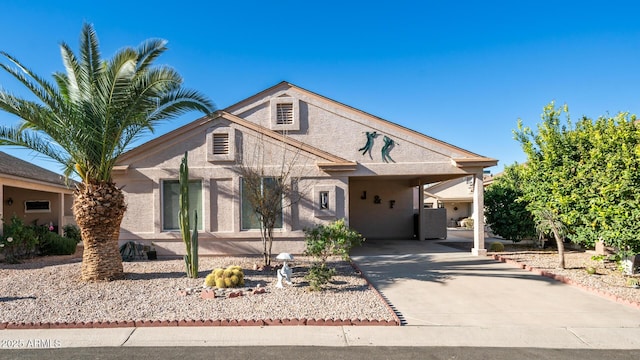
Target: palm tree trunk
x,y
98,209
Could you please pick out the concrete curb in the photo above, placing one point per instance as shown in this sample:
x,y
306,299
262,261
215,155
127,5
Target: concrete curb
x,y
565,280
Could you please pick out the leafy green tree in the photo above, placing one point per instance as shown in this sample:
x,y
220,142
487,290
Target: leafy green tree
x,y
505,209
86,119
586,175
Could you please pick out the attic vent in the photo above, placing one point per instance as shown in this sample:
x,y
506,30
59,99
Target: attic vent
x,y
221,144
284,114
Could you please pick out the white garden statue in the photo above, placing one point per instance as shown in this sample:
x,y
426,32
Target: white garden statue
x,y
285,272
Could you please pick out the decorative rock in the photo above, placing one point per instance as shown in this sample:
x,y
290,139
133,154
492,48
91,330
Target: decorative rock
x,y
208,294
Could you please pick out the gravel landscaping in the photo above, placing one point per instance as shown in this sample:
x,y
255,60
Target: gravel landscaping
x,y
49,290
607,279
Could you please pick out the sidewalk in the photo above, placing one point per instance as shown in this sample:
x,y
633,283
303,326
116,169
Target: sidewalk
x,y
445,298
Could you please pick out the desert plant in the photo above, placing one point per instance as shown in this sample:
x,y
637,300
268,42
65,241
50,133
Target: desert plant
x,y
86,118
323,241
468,223
335,238
496,246
232,276
633,282
319,274
190,239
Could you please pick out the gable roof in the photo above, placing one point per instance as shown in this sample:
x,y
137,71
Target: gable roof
x,y
466,159
14,167
331,163
469,159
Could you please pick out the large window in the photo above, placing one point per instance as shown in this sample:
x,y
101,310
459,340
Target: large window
x,y
171,203
249,217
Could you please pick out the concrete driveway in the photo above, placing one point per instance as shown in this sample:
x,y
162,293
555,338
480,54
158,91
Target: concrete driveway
x,y
433,285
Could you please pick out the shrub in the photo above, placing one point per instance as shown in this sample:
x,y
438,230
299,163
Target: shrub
x,y
496,246
71,231
50,243
335,238
233,276
18,241
323,241
319,274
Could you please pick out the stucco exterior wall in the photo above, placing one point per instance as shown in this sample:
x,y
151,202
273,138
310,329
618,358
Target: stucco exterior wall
x,y
382,220
322,151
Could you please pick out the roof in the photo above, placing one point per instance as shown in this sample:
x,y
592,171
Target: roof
x,y
470,158
12,166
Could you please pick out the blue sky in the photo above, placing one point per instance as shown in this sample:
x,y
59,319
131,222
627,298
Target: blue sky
x,y
463,72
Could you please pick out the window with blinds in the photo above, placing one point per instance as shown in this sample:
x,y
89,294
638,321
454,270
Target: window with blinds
x,y
221,144
284,113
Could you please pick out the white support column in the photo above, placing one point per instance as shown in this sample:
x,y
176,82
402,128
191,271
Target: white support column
x,y
1,207
61,208
478,216
421,233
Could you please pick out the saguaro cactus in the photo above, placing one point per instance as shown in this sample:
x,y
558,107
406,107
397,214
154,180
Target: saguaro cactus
x,y
190,240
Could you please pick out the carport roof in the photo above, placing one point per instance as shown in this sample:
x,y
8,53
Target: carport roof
x,y
12,166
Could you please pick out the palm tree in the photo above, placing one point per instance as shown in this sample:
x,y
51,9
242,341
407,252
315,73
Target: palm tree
x,y
87,119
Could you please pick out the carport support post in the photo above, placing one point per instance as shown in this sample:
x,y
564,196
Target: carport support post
x,y
478,216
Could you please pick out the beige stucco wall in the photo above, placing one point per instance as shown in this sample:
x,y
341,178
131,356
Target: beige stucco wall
x,y
379,220
330,127
20,196
342,131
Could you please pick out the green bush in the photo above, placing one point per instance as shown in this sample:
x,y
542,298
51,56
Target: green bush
x,y
323,241
18,241
496,246
21,241
319,274
72,232
335,238
50,243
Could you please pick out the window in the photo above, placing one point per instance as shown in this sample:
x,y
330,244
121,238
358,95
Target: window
x,y
285,114
249,217
37,206
221,144
325,201
171,204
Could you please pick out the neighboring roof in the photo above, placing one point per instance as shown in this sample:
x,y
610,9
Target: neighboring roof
x,y
12,166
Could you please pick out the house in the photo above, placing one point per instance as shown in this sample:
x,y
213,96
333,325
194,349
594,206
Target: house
x,y
456,196
346,164
36,195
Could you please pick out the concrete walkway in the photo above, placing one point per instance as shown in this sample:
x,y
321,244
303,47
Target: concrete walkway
x,y
445,298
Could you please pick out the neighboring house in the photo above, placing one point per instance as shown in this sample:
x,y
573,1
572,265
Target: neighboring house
x,y
347,164
36,195
456,196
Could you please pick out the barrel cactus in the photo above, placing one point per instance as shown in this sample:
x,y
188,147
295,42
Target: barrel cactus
x,y
233,276
496,246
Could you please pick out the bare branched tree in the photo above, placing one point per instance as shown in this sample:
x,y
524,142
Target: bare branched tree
x,y
270,183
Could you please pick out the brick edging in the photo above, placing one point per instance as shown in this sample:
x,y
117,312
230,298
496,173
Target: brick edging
x,y
565,280
186,323
218,322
